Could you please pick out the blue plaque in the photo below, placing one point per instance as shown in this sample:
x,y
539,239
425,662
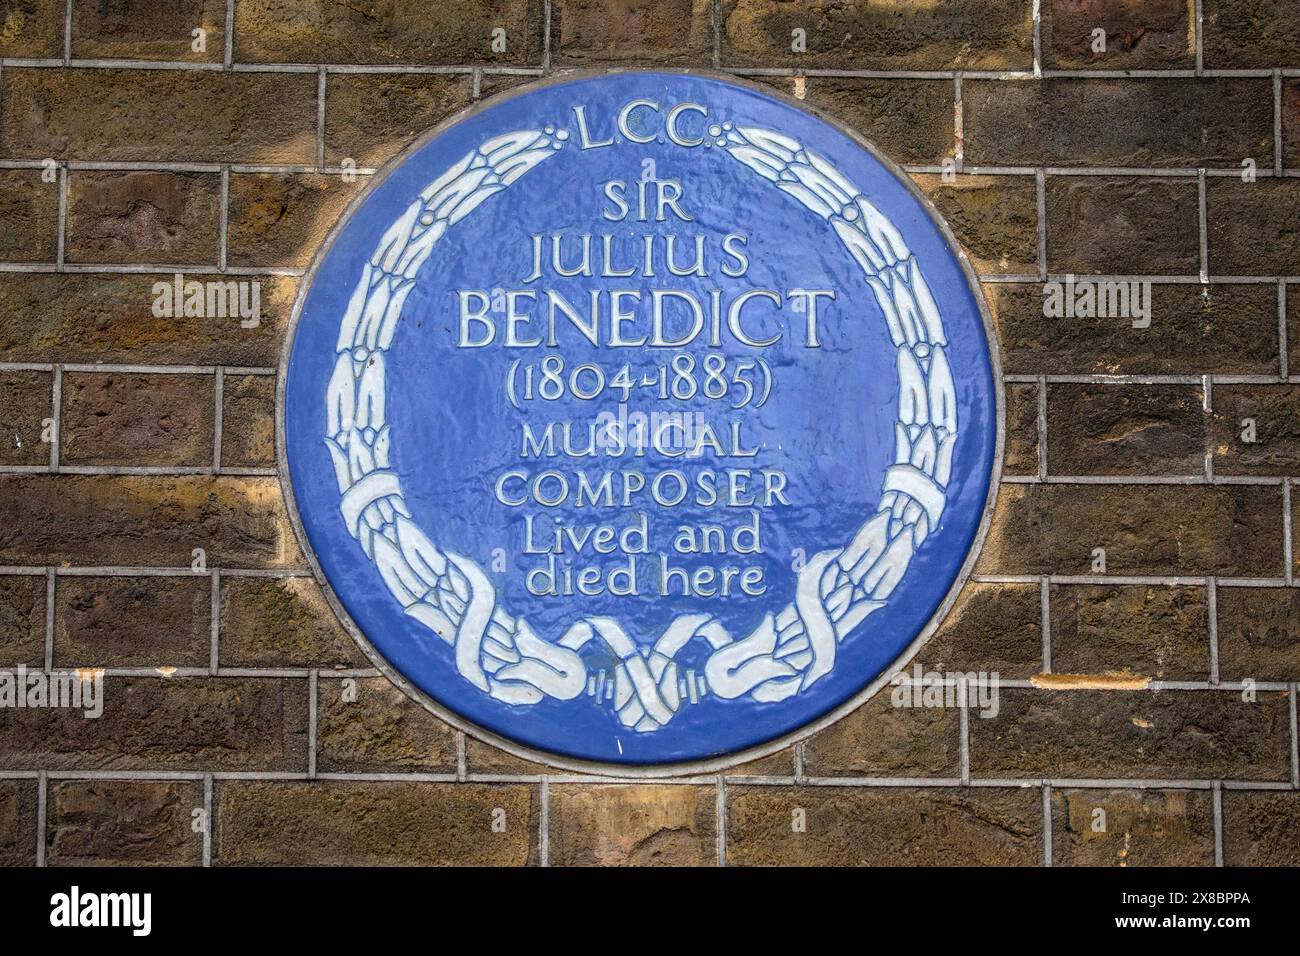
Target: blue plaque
x,y
640,419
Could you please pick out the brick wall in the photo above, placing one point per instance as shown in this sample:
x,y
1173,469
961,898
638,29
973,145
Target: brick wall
x,y
1161,690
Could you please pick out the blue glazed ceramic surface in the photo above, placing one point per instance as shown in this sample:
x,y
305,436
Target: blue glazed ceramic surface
x,y
642,418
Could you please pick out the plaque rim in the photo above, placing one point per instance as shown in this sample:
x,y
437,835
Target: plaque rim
x,y
710,765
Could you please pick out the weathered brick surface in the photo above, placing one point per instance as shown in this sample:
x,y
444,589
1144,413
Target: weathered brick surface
x,y
17,822
369,118
189,116
180,723
633,825
1175,735
22,619
1223,329
281,219
25,406
911,121
995,218
1240,34
1255,430
281,622
995,628
1069,121
248,421
132,622
144,30
1137,34
29,216
368,724
144,521
984,34
884,826
1157,632
651,32
1251,227
116,418
1020,453
1132,828
123,823
389,824
1122,225
32,28
1259,633
882,740
143,217
1146,529
388,31
110,318
1261,829
1125,430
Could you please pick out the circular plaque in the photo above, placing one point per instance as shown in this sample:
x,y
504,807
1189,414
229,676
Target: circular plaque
x,y
641,419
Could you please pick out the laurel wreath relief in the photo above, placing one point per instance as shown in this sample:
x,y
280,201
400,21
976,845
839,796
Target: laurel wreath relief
x,y
450,594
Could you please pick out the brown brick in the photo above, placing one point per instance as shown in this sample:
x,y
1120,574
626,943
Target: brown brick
x,y
1228,530
156,723
386,824
1226,329
1117,225
29,216
995,218
1251,227
109,318
370,117
143,217
1259,634
132,622
779,764
1020,455
645,825
911,121
1125,429
281,219
368,724
388,31
1158,632
1244,34
25,402
144,521
1261,828
995,628
653,32
1291,123
148,30
946,34
1067,121
1106,734
1140,34
884,826
1275,413
123,418
182,115
124,823
1132,828
281,622
248,421
484,758
882,740
32,28
17,822
22,619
